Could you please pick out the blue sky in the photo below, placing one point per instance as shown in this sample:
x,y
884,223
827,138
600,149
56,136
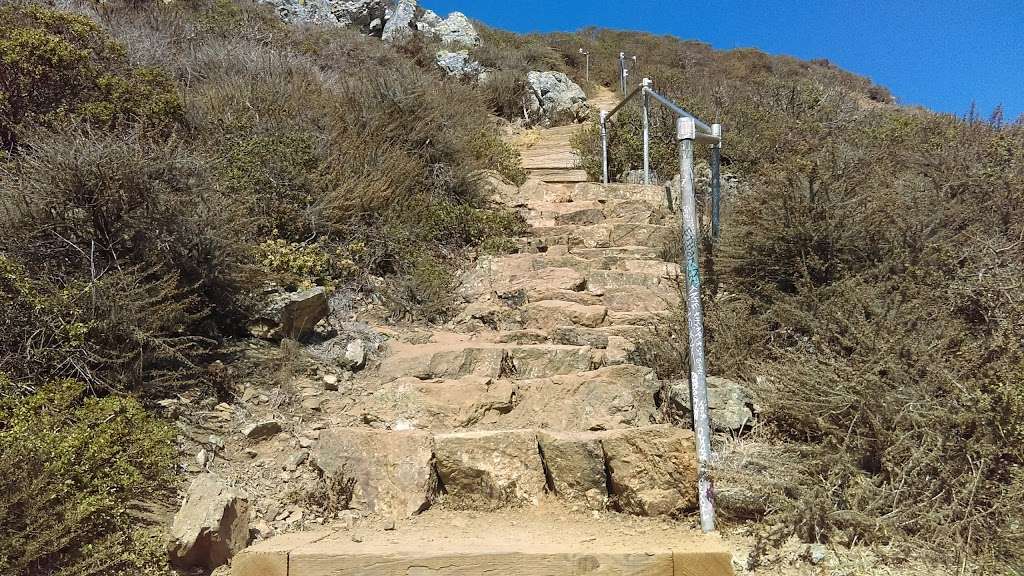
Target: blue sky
x,y
940,53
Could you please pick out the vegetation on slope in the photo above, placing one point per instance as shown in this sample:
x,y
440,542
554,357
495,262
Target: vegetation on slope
x,y
159,165
869,271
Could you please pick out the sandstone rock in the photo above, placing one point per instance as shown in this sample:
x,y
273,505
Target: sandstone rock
x,y
579,336
548,314
440,404
730,406
261,430
387,473
524,337
458,64
444,361
652,195
653,470
291,315
602,399
553,98
618,350
545,360
575,465
486,470
399,25
211,526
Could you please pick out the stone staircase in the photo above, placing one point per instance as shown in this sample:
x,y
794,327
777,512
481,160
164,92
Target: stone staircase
x,y
523,439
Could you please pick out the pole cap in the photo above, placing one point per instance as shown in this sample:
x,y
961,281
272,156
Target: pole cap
x,y
646,82
685,128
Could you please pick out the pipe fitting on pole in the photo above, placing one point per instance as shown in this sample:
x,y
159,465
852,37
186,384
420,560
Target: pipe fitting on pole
x,y
686,132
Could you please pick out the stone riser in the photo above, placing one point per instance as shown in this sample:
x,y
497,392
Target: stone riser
x,y
646,471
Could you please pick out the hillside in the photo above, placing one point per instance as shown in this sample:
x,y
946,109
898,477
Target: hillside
x,y
281,270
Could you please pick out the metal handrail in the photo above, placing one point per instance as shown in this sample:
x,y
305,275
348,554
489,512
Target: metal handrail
x,y
689,130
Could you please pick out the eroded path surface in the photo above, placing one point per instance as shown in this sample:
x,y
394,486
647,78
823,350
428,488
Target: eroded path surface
x,y
524,437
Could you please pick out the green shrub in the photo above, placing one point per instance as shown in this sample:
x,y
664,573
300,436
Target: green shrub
x,y
57,66
75,467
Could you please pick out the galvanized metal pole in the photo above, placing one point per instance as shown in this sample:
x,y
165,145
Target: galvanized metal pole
x,y
604,147
686,132
716,181
622,72
646,83
588,67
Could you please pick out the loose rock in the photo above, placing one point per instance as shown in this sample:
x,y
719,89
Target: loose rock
x,y
261,430
211,526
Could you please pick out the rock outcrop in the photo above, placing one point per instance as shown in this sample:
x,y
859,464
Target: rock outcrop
x,y
211,526
553,98
459,64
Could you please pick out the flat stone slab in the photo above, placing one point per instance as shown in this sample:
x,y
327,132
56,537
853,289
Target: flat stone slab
x,y
550,540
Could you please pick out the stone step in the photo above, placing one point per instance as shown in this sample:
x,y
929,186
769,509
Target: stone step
x,y
486,359
547,314
610,397
645,471
591,212
550,541
651,194
558,175
608,233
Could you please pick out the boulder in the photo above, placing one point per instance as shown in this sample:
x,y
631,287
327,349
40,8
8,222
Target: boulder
x,y
730,405
488,470
211,526
400,21
382,472
457,29
458,64
555,99
291,314
360,13
652,470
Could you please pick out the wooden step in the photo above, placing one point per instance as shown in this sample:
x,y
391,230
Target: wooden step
x,y
544,542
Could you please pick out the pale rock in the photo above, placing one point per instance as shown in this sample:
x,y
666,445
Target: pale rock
x,y
458,64
653,470
211,526
555,99
389,473
261,430
291,315
399,25
488,470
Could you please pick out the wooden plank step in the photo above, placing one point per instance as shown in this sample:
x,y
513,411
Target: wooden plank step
x,y
530,542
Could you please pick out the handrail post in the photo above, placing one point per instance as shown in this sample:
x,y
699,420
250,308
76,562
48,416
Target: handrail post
x,y
716,181
646,83
622,72
686,132
604,147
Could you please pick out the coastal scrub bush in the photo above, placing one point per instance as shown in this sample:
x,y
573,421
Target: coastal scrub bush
x,y
74,466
